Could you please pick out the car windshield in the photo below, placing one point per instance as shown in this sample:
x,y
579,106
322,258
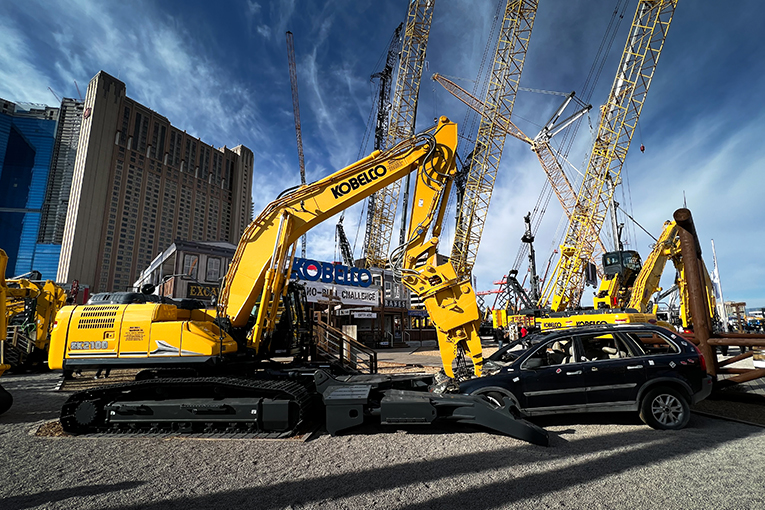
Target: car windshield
x,y
510,351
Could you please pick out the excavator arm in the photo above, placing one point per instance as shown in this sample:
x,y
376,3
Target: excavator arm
x,y
647,282
258,273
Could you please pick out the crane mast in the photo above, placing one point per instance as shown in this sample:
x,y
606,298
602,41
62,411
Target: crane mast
x,y
401,126
618,119
296,112
510,55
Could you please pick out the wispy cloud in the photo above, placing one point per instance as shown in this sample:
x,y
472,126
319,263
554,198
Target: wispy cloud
x,y
162,64
20,77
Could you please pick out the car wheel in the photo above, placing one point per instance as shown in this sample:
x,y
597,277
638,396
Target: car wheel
x,y
665,409
496,399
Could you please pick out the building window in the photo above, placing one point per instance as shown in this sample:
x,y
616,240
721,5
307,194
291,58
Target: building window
x,y
213,269
387,289
190,264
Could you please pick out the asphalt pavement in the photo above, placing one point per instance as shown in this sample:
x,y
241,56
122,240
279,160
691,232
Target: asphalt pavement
x,y
593,462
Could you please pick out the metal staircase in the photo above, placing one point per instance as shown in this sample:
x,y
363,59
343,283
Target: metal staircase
x,y
337,347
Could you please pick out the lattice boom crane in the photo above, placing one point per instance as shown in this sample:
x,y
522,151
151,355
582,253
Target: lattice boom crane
x,y
402,118
619,116
510,55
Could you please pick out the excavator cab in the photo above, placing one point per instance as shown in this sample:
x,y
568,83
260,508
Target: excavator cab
x,y
620,269
293,333
627,263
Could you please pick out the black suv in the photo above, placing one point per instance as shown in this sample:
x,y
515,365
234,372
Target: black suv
x,y
641,368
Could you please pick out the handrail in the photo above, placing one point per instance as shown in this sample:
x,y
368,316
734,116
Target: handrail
x,y
344,349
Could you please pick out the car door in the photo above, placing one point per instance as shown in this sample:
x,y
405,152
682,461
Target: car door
x,y
613,371
552,380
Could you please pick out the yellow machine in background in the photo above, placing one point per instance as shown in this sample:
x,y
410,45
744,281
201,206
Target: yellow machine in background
x,y
625,288
27,311
3,319
625,293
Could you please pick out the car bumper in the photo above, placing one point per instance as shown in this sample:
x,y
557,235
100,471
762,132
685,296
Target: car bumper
x,y
706,390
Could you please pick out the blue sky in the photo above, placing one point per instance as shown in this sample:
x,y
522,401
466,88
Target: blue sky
x,y
221,73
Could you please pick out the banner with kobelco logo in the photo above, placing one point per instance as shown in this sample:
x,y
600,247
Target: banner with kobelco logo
x,y
336,282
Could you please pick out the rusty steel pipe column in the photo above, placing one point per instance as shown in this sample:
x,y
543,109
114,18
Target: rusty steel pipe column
x,y
691,252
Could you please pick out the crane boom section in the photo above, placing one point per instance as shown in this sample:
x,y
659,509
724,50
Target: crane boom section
x,y
557,178
510,55
401,127
619,117
258,268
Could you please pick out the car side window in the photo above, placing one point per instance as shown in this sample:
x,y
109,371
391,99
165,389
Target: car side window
x,y
555,352
652,343
600,346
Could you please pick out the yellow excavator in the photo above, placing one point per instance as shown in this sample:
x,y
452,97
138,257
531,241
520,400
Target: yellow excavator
x,y
634,291
214,370
28,306
6,400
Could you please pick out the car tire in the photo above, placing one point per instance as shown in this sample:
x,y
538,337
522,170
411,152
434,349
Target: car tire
x,y
665,408
496,399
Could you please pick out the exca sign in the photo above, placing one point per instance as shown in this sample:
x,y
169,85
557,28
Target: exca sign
x,y
313,271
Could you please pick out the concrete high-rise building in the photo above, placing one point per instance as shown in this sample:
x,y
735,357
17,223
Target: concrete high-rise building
x,y
140,184
27,137
61,171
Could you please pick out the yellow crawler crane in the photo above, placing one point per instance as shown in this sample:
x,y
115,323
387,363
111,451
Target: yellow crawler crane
x,y
619,117
230,380
495,110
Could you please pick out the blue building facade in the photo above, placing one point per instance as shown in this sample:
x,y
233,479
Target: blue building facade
x,y
27,137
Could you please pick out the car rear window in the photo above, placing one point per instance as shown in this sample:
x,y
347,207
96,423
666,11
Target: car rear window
x,y
652,342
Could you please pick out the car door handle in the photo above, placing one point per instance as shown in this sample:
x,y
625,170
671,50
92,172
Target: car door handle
x,y
578,372
634,367
594,369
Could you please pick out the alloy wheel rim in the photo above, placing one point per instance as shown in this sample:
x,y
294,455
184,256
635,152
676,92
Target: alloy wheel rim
x,y
667,409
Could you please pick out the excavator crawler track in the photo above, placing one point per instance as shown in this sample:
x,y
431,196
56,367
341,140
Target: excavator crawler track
x,y
208,406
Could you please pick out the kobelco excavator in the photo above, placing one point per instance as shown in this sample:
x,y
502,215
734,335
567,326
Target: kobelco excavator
x,y
236,384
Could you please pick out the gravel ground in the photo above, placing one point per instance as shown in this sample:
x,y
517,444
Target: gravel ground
x,y
605,461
